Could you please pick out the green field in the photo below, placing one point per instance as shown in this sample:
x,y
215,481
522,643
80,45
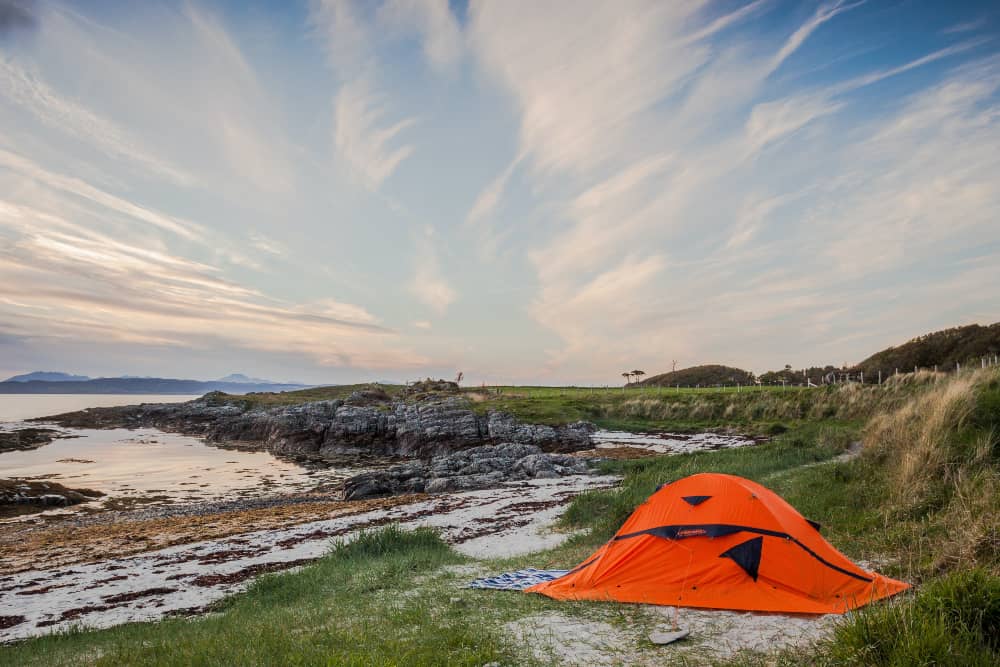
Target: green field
x,y
922,499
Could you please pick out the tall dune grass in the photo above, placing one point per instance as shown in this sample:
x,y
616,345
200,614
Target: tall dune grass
x,y
939,453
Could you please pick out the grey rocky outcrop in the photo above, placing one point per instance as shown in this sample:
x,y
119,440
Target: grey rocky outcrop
x,y
341,428
46,494
476,468
22,439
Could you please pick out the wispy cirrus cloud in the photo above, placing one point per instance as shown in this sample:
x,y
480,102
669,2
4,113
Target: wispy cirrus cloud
x,y
370,146
75,186
700,175
25,89
435,24
428,284
618,185
75,282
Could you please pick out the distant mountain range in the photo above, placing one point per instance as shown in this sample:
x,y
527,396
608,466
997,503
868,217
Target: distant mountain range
x,y
48,376
49,382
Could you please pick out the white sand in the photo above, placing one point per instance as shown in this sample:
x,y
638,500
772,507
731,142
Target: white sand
x,y
669,443
510,520
556,638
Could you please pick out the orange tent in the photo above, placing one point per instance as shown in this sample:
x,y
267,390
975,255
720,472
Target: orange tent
x,y
721,542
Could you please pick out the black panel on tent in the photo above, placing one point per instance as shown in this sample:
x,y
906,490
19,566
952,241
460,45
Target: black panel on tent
x,y
746,555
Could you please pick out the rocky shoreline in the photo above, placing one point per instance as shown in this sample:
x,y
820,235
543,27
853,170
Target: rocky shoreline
x,y
20,496
357,426
477,468
23,439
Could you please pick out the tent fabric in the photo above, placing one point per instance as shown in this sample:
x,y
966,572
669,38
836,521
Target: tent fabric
x,y
742,548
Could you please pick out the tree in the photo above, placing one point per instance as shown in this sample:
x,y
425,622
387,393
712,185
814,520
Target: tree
x,y
638,374
627,376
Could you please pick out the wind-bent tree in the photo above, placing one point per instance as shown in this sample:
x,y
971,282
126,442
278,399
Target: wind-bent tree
x,y
627,376
638,374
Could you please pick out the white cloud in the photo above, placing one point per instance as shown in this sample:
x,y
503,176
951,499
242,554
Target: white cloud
x,y
771,121
670,177
487,200
369,145
823,14
965,26
434,22
671,192
348,37
428,284
27,90
580,84
79,284
268,245
75,186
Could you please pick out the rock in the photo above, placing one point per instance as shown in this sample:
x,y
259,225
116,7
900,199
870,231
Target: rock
x,y
366,423
43,494
481,467
22,439
439,485
668,637
369,485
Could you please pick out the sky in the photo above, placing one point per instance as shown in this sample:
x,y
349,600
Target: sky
x,y
527,192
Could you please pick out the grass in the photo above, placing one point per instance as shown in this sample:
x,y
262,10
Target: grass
x,y
954,620
921,501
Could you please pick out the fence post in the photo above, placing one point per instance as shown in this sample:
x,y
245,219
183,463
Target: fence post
x,y
880,376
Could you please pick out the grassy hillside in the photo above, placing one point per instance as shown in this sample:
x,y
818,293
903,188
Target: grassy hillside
x,y
921,502
965,345
708,375
751,409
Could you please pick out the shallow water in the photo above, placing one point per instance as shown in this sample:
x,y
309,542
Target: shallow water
x,y
669,443
149,467
15,407
146,467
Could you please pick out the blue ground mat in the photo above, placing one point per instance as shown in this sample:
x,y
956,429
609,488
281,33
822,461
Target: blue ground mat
x,y
516,581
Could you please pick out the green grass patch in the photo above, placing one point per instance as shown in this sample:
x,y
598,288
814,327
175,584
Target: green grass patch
x,y
954,620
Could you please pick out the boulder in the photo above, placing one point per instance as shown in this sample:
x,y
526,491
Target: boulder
x,y
481,467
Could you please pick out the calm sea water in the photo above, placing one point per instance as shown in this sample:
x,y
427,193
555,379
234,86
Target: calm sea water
x,y
15,407
147,466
